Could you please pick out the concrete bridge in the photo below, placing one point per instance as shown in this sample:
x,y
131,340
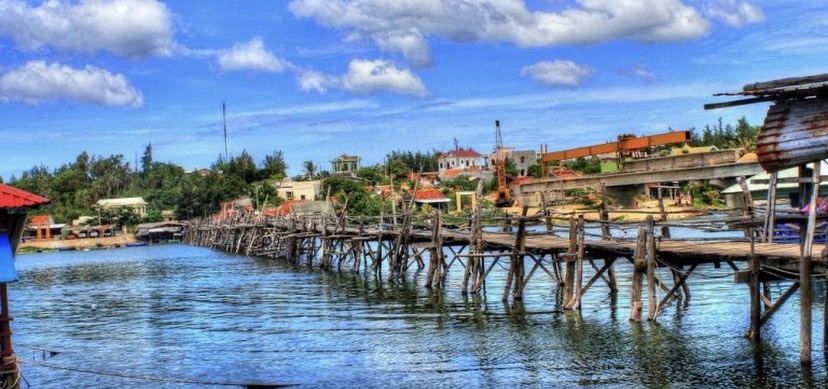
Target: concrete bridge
x,y
622,188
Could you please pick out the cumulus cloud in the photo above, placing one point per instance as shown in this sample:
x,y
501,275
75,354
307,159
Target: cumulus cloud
x,y
365,76
370,76
639,72
556,73
404,26
38,81
250,56
127,28
736,13
312,81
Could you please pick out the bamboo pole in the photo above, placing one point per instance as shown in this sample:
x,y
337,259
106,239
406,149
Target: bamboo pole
x,y
639,267
805,293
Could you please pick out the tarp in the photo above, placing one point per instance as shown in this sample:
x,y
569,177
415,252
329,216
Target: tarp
x,y
7,271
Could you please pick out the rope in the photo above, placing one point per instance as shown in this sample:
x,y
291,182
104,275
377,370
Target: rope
x,y
146,377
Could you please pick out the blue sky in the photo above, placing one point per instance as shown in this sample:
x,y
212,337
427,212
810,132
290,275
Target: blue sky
x,y
318,78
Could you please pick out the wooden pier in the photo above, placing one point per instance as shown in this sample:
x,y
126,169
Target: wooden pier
x,y
546,247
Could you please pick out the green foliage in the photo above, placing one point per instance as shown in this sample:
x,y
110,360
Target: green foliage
x,y
414,162
146,160
310,170
461,182
353,193
534,170
743,135
372,174
703,195
586,166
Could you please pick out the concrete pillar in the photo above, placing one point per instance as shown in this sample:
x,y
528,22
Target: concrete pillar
x,y
623,197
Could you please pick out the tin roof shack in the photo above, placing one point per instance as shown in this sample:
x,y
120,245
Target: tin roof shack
x,y
161,232
433,197
795,134
13,206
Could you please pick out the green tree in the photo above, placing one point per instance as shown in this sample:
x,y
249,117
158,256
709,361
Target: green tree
x,y
310,169
146,160
274,166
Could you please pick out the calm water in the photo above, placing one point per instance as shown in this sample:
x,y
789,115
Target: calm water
x,y
192,314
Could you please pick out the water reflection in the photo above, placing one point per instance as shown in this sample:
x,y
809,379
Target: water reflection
x,y
192,313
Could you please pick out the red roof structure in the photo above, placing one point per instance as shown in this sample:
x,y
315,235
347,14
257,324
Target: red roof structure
x,y
40,220
461,153
11,198
429,194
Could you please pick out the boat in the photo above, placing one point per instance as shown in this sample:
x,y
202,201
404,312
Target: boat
x,y
135,244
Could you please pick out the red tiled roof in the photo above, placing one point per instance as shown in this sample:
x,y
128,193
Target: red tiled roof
x,y
428,194
11,197
283,209
461,154
521,180
452,172
40,220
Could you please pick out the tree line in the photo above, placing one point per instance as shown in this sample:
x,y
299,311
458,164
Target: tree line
x,y
75,187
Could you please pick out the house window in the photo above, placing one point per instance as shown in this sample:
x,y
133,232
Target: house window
x,y
522,159
302,197
493,162
467,163
441,165
289,194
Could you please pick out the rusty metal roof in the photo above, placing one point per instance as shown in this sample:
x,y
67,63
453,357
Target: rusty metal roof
x,y
794,132
777,90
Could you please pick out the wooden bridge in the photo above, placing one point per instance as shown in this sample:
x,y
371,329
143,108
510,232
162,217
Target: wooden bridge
x,y
556,249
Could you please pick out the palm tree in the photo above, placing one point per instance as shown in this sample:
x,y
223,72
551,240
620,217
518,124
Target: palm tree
x,y
310,169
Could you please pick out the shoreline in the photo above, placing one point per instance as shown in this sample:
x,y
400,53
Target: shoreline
x,y
77,244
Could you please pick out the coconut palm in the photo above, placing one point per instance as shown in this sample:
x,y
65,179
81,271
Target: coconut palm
x,y
310,169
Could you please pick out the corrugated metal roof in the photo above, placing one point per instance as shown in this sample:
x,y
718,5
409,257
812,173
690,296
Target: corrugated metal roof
x,y
11,197
794,132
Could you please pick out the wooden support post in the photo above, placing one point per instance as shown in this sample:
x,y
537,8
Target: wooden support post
x,y
639,268
569,258
579,266
519,257
604,214
755,299
665,230
651,266
747,198
770,210
805,293
435,266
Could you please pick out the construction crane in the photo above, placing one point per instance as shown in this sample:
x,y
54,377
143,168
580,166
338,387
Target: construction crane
x,y
503,196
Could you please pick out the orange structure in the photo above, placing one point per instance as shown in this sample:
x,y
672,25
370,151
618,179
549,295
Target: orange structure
x,y
503,197
625,145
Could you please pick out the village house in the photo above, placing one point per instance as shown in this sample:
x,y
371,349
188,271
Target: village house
x,y
460,159
301,190
42,227
521,158
433,197
345,164
135,204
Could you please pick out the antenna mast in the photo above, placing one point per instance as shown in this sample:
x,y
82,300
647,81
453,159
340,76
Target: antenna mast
x,y
224,117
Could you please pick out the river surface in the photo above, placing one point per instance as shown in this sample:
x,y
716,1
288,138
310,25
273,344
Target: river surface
x,y
178,316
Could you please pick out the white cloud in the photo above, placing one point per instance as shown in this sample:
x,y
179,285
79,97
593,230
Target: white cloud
x,y
736,13
365,76
404,26
311,81
127,28
556,73
38,81
639,72
250,56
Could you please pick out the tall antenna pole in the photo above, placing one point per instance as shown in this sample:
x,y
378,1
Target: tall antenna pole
x,y
224,117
